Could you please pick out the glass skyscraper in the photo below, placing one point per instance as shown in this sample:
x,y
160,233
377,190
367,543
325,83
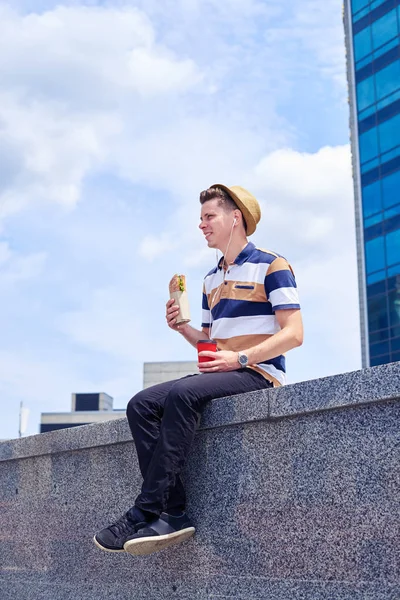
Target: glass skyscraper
x,y
373,67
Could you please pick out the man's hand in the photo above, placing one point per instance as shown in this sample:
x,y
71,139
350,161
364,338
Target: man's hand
x,y
172,314
225,360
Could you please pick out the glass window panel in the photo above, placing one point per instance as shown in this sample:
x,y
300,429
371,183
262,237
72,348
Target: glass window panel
x,y
391,212
370,165
376,289
387,80
365,93
384,29
383,49
395,356
395,331
362,43
376,3
375,255
379,348
391,189
392,284
382,103
363,62
392,154
369,145
361,13
393,247
373,220
380,360
358,4
367,112
379,336
378,276
377,313
371,196
394,270
395,344
394,307
389,134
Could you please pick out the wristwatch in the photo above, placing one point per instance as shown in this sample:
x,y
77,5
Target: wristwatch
x,y
243,359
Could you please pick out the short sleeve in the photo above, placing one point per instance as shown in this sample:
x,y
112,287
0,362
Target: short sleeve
x,y
205,309
280,285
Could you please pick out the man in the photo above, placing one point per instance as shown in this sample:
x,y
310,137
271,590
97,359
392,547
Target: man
x,y
251,309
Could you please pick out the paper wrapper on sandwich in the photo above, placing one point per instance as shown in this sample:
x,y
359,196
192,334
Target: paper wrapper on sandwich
x,y
177,291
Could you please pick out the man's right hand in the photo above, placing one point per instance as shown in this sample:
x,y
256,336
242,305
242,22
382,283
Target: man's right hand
x,y
172,314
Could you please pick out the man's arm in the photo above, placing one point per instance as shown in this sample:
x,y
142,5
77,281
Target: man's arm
x,y
193,335
290,336
190,334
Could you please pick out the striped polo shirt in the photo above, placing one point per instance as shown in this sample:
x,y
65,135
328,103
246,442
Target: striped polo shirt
x,y
240,306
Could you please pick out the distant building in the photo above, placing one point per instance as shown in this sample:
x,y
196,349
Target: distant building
x,y
85,409
158,372
373,66
97,407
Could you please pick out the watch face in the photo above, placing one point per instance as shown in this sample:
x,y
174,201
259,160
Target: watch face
x,y
243,359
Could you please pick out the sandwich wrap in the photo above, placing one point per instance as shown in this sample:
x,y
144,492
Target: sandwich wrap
x,y
177,291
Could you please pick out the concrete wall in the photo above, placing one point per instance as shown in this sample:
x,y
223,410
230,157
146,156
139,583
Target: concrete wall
x,y
294,493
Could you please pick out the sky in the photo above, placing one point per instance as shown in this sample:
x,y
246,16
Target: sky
x,y
113,117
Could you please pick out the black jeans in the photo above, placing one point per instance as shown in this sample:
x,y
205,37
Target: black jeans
x,y
163,420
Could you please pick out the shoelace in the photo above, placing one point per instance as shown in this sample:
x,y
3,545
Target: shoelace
x,y
123,525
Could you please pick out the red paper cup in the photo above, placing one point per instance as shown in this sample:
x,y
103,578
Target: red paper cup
x,y
206,345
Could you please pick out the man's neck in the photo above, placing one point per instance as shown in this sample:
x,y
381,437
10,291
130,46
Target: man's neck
x,y
235,248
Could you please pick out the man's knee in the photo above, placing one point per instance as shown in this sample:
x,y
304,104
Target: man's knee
x,y
183,391
137,404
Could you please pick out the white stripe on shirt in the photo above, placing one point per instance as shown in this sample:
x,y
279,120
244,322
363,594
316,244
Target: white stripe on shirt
x,y
284,295
231,327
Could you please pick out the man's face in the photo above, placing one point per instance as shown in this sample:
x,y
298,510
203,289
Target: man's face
x,y
216,224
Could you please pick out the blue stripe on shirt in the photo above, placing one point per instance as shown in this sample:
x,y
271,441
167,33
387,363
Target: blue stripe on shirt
x,y
286,306
262,256
204,303
279,279
240,308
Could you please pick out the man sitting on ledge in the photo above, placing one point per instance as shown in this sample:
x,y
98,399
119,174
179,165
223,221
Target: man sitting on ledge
x,y
251,309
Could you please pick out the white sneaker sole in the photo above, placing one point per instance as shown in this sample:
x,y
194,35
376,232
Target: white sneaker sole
x,y
147,545
104,548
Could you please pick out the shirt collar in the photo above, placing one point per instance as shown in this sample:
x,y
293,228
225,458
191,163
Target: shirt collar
x,y
242,257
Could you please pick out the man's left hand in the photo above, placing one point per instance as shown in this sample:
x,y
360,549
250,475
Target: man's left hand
x,y
224,360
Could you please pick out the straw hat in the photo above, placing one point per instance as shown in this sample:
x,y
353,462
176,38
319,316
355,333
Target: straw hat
x,y
246,203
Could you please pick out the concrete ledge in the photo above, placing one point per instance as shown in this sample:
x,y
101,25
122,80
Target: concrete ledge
x,y
377,384
294,493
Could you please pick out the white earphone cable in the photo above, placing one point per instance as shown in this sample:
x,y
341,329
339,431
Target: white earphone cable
x,y
224,275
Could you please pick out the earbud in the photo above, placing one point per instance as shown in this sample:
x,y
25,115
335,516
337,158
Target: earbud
x,y
234,220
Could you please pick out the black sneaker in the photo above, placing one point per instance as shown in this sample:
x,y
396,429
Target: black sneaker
x,y
159,534
112,538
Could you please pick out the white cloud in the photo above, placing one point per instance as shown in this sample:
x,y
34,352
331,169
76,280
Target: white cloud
x,y
308,200
306,176
63,91
154,74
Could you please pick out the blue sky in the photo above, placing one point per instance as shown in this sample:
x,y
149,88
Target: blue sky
x,y
113,117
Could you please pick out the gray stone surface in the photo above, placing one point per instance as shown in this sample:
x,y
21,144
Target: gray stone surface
x,y
348,389
294,493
